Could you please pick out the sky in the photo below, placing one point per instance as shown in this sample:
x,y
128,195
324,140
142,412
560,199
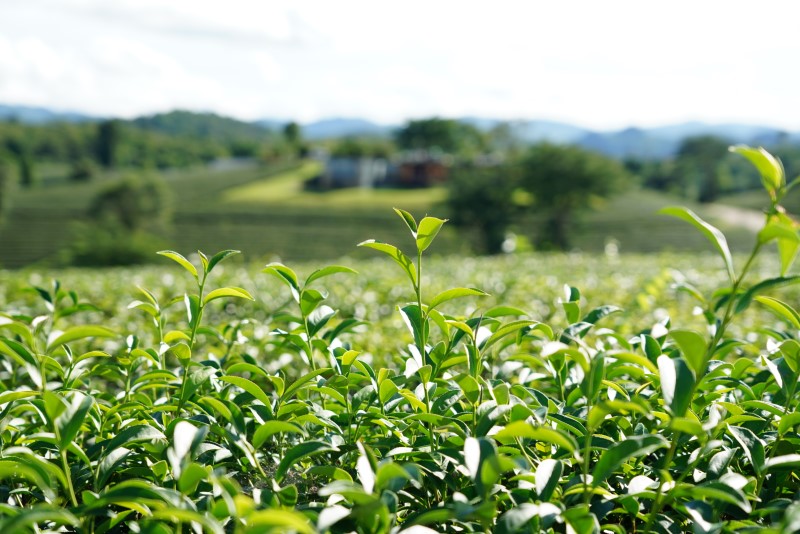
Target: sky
x,y
602,64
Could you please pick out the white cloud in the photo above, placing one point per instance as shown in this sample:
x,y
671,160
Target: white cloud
x,y
602,64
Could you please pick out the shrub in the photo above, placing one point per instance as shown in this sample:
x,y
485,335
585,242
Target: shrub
x,y
136,203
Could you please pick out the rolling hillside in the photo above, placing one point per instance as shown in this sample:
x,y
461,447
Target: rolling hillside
x,y
265,213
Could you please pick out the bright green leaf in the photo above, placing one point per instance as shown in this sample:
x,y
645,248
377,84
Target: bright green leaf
x,y
712,233
236,292
186,264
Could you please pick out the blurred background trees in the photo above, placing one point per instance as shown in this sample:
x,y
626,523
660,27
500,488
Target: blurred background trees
x,y
5,188
562,180
129,219
444,135
493,177
481,201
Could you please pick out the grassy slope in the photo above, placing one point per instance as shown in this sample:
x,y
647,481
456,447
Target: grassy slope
x,y
265,213
286,190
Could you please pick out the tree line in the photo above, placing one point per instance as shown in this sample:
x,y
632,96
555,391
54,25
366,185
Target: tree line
x,y
496,178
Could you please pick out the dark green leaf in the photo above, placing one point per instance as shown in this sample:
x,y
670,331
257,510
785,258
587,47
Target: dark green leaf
x,y
270,428
693,346
408,219
219,257
751,445
71,419
298,452
632,447
547,476
677,383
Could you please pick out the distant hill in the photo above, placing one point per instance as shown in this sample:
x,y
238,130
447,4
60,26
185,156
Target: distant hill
x,y
554,132
631,142
333,128
206,126
646,143
344,127
37,115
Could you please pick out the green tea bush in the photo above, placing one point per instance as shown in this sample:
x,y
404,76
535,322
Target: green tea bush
x,y
127,218
210,407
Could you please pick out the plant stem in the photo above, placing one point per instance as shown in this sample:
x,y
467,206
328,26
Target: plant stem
x,y
587,454
423,317
68,475
192,339
309,346
657,501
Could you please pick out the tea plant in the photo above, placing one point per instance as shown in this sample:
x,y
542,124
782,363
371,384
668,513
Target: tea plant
x,y
261,410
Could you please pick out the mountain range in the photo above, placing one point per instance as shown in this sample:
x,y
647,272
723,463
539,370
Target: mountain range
x,y
646,143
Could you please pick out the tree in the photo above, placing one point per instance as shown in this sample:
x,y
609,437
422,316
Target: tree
x,y
447,135
503,138
292,133
107,143
480,199
352,147
5,189
136,203
26,175
699,165
81,170
563,180
24,156
128,214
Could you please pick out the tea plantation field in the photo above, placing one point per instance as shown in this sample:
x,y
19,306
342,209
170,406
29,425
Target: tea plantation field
x,y
298,399
265,213
408,393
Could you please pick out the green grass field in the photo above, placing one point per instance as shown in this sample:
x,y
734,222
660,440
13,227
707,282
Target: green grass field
x,y
286,189
266,213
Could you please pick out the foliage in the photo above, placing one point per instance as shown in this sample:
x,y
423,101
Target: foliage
x,y
107,143
5,188
481,200
128,216
202,408
351,147
20,149
698,162
448,135
564,179
135,203
292,133
702,169
201,126
82,170
109,245
177,139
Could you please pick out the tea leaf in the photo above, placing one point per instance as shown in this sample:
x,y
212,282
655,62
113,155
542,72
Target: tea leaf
x,y
711,233
183,262
632,447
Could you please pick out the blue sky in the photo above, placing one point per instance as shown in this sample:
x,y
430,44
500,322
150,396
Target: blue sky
x,y
605,65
